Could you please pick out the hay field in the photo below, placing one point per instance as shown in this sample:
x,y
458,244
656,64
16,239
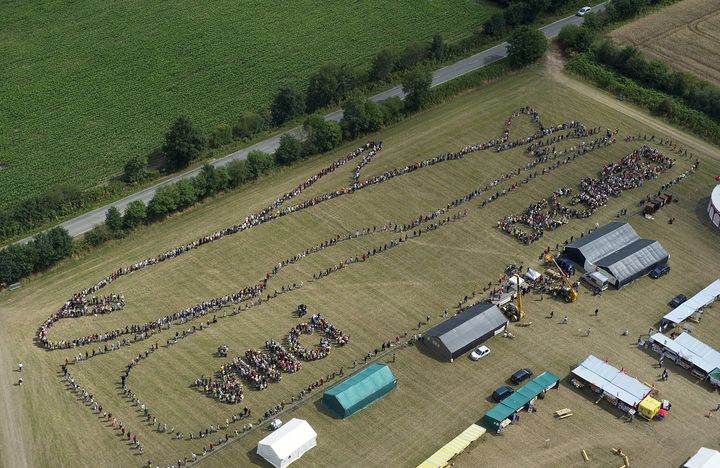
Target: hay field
x,y
685,35
373,301
87,85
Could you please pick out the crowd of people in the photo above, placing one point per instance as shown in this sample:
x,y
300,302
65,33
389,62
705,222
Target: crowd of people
x,y
87,303
259,368
630,172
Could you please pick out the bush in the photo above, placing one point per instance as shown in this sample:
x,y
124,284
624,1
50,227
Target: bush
x,y
135,170
413,54
495,25
259,163
113,220
183,143
354,121
164,202
321,135
573,38
392,110
374,116
329,85
416,86
525,46
287,104
51,246
248,125
238,173
17,261
98,235
221,135
383,64
187,193
289,151
665,107
135,214
437,47
210,181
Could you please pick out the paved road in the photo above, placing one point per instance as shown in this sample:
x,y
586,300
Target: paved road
x,y
87,221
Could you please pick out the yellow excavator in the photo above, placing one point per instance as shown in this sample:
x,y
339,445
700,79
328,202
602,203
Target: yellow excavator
x,y
567,291
515,312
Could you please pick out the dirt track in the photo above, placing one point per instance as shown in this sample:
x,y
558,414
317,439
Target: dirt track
x,y
554,65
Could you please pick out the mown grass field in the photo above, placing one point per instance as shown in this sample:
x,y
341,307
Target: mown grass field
x,y
376,300
88,85
685,35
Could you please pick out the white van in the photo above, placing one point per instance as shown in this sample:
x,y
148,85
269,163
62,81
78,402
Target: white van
x,y
596,280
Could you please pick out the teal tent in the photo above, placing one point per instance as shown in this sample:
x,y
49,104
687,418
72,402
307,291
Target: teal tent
x,y
360,390
547,380
497,415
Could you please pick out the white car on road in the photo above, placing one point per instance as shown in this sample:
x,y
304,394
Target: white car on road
x,y
583,10
480,352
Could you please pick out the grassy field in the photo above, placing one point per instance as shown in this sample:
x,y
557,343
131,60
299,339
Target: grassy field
x,y
685,35
88,85
377,300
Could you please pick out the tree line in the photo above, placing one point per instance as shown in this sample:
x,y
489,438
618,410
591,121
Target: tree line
x,y
330,85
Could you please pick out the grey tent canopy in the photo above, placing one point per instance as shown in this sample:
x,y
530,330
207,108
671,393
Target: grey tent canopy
x,y
459,334
618,251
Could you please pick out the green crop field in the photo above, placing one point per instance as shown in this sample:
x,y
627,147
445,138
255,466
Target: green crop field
x,y
86,85
44,423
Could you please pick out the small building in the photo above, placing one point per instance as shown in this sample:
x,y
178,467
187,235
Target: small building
x,y
287,444
460,333
618,252
618,388
687,352
704,458
502,413
360,390
704,298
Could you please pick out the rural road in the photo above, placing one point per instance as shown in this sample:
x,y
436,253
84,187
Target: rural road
x,y
87,221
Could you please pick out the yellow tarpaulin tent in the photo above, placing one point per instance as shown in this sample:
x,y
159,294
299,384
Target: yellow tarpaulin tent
x,y
441,458
649,407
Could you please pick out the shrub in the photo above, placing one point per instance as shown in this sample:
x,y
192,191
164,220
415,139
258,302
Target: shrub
x,y
135,170
289,151
135,214
287,104
321,135
573,38
238,173
248,125
525,46
329,85
416,86
113,220
392,110
383,64
259,163
220,135
183,143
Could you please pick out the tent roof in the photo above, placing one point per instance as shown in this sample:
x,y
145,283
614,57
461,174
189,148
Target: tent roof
x,y
612,381
370,383
532,274
704,458
632,258
604,240
459,330
689,307
715,374
691,349
546,379
292,435
499,412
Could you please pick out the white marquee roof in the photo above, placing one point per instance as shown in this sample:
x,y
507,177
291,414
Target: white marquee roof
x,y
612,381
283,442
689,307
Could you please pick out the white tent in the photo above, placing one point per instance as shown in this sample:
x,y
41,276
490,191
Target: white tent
x,y
532,275
288,443
704,458
702,299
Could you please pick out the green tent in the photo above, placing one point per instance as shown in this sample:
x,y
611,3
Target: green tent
x,y
546,380
715,376
497,415
360,390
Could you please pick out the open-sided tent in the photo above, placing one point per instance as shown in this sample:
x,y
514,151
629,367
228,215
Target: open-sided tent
x,y
613,383
287,444
704,458
361,390
707,296
688,348
460,333
495,418
715,377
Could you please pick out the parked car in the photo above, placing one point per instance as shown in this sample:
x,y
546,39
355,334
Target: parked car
x,y
502,392
583,10
480,352
659,271
520,375
677,300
